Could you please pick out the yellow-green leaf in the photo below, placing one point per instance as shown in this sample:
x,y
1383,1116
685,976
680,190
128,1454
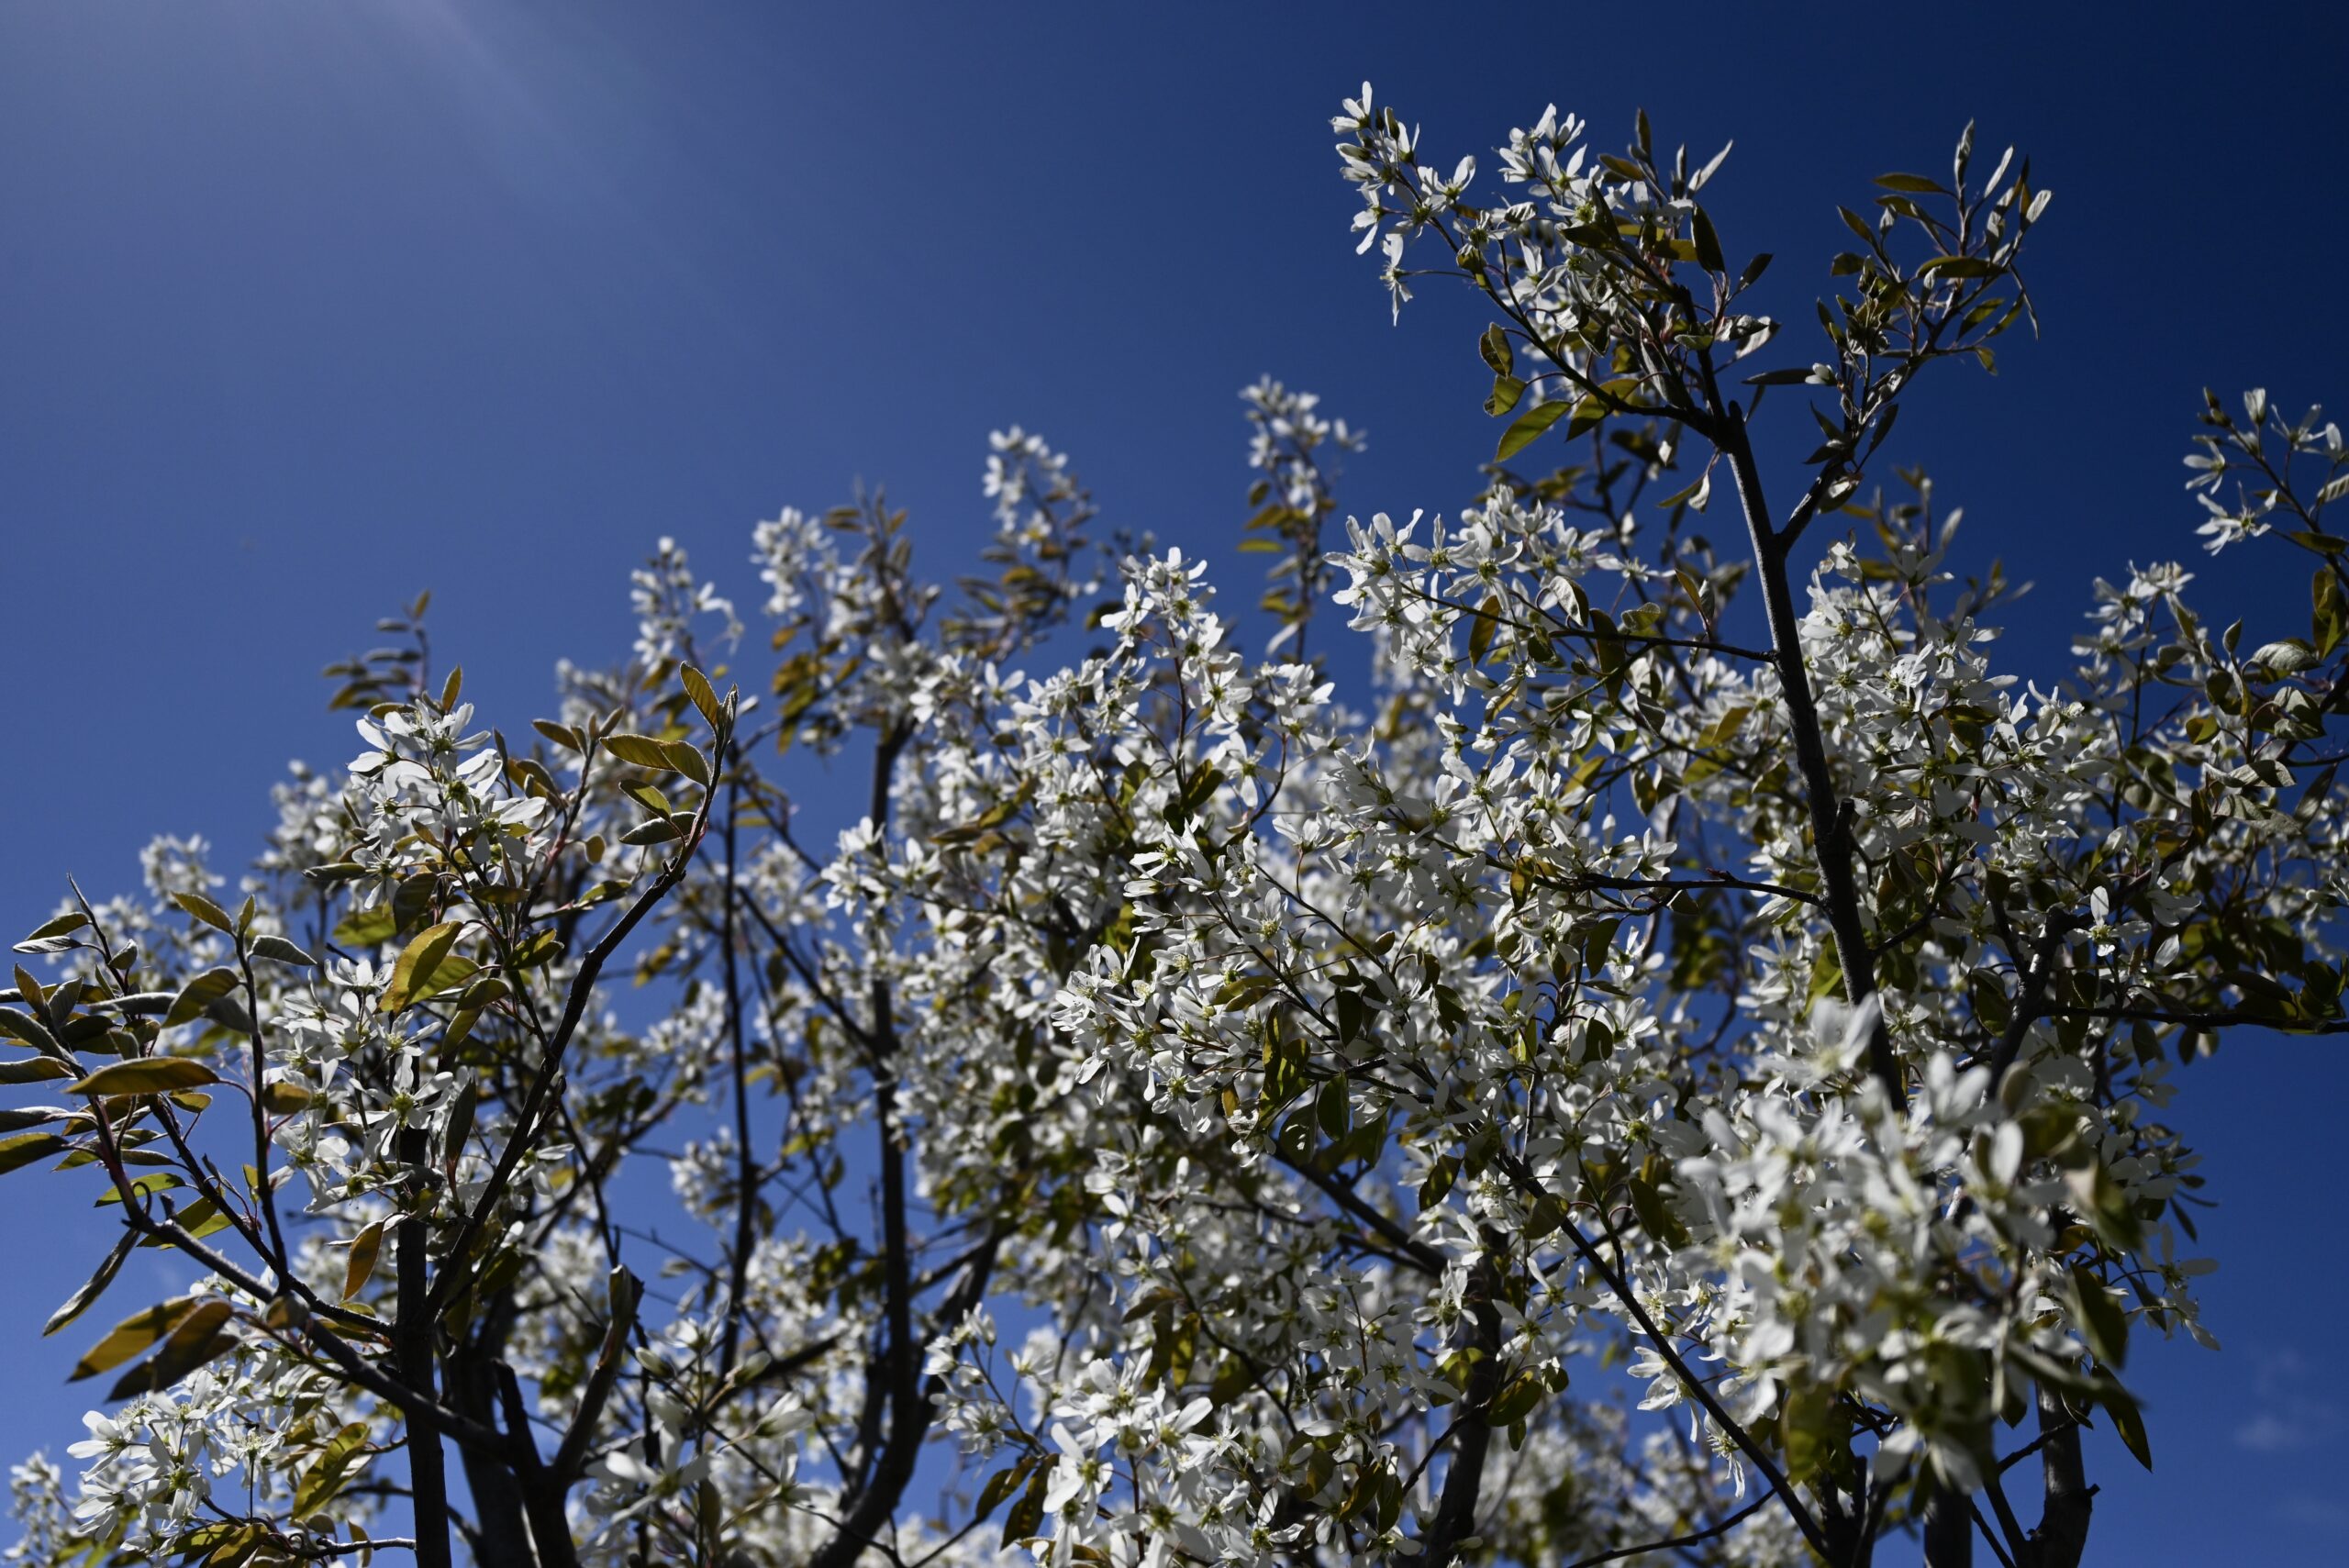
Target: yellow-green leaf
x,y
364,1249
194,1340
684,759
705,699
146,1075
131,1337
1528,426
325,1476
1497,351
413,973
160,1181
25,1148
641,751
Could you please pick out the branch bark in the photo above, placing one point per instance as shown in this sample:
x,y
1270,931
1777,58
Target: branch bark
x,y
1831,835
1455,1514
413,1335
2063,1532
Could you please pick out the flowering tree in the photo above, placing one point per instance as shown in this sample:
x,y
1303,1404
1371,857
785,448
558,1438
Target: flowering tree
x,y
1253,1126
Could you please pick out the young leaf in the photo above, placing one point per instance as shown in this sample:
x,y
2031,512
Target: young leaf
x,y
1709,244
160,1181
419,963
2128,1423
131,1337
687,760
203,909
2102,1321
1002,1485
325,1477
93,1287
146,1075
25,1148
64,924
366,1247
1528,426
1960,267
704,700
277,949
639,751
1497,351
195,1338
198,994
1507,392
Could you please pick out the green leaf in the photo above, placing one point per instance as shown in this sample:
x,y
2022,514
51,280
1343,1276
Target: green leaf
x,y
2128,1422
419,963
25,1148
1529,426
1333,1106
93,1287
131,1337
160,1181
1002,1485
1960,267
203,909
199,1219
1709,244
325,1476
1811,1428
1495,351
2332,613
1916,183
195,1338
33,1069
1656,1216
2102,1321
1440,1175
1026,1515
198,994
1507,390
1516,1400
369,928
546,947
145,1075
1284,1067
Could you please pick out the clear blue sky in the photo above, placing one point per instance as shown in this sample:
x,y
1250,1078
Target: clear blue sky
x,y
306,306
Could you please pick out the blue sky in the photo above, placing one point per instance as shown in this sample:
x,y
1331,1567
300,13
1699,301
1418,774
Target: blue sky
x,y
305,306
